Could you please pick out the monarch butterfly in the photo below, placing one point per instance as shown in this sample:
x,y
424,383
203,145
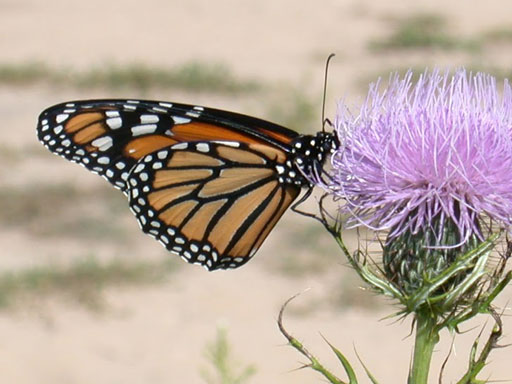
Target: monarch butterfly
x,y
208,184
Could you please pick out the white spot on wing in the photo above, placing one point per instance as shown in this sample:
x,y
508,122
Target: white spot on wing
x,y
193,114
166,105
233,144
203,147
143,129
144,176
147,119
62,117
112,113
180,146
162,154
180,120
114,122
103,143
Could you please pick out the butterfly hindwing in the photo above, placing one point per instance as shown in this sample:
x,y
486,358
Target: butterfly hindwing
x,y
213,203
109,136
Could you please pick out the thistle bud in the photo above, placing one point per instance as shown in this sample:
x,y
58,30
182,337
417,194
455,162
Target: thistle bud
x,y
413,260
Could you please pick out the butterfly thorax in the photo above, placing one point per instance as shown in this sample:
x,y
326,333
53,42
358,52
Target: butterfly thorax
x,y
308,155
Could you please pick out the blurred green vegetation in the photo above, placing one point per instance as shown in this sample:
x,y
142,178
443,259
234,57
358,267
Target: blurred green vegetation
x,y
295,109
224,369
82,283
422,31
192,76
501,34
70,208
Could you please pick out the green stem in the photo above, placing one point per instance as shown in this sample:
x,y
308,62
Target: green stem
x,y
427,337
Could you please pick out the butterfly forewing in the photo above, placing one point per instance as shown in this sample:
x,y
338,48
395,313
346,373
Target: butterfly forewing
x,y
109,136
211,202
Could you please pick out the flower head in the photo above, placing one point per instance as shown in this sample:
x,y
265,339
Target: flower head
x,y
417,156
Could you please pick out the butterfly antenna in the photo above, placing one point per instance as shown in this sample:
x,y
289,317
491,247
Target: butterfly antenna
x,y
324,121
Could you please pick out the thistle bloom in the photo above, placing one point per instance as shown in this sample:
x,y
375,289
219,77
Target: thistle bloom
x,y
430,165
423,157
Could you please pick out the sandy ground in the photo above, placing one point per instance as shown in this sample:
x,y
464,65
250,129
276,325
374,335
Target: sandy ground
x,y
157,333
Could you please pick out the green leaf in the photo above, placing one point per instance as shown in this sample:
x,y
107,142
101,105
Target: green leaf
x,y
346,365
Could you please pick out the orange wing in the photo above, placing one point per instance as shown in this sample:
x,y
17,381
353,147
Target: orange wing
x,y
213,203
109,136
208,184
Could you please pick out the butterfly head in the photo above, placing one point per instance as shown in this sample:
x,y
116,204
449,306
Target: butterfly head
x,y
310,151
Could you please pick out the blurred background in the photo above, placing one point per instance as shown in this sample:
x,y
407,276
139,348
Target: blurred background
x,y
85,297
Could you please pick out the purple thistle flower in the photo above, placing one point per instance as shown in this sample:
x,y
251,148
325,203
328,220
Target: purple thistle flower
x,y
420,154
